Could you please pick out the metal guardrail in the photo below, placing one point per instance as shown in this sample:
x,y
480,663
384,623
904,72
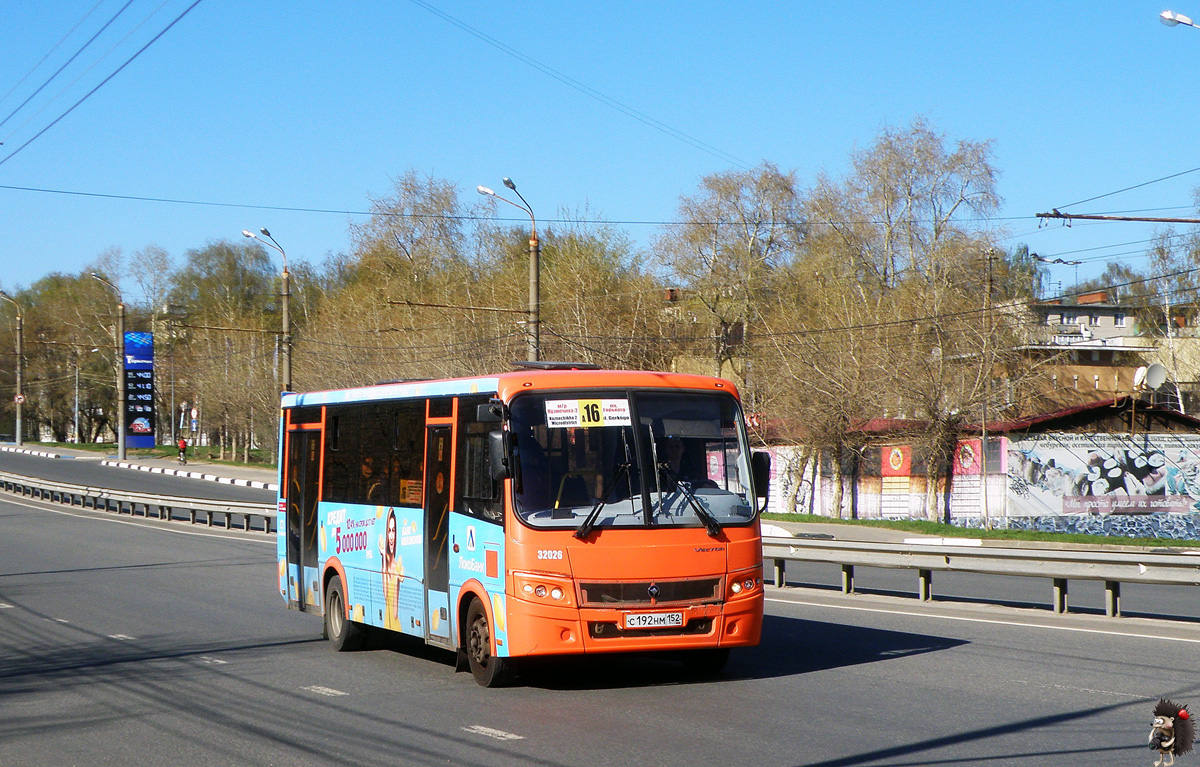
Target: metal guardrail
x,y
163,506
1060,564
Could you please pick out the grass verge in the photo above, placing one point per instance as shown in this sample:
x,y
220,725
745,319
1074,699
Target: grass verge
x,y
953,531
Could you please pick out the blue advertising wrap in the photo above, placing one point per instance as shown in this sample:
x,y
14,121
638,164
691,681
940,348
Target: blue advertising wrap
x,y
139,390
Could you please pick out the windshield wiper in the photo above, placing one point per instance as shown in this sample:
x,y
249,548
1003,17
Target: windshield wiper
x,y
619,473
710,522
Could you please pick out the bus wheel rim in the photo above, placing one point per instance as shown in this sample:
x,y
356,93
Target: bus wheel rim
x,y
335,613
480,641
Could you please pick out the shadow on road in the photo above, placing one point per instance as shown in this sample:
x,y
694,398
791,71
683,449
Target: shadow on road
x,y
790,646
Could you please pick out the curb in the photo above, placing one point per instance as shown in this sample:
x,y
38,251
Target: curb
x,y
27,451
193,475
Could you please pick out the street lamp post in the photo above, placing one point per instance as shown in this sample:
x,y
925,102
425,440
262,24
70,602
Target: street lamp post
x,y
1171,19
19,399
120,367
286,294
535,303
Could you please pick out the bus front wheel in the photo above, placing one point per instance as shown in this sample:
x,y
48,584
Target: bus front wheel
x,y
343,633
488,670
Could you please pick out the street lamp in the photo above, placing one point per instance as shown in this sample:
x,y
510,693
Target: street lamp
x,y
19,399
286,296
535,250
120,367
1170,18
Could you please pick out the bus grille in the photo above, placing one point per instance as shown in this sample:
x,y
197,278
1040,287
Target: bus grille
x,y
615,594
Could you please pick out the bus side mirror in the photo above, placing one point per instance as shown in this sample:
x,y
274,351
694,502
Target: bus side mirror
x,y
498,455
490,412
760,467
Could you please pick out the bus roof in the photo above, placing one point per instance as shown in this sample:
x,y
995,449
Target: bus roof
x,y
506,385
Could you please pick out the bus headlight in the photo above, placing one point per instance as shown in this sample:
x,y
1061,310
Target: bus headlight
x,y
744,583
544,588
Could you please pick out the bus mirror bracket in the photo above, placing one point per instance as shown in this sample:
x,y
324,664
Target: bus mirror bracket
x,y
490,412
760,467
498,455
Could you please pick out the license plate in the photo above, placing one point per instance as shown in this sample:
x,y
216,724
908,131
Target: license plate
x,y
653,620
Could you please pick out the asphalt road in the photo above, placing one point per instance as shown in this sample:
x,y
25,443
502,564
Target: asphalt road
x,y
88,471
123,642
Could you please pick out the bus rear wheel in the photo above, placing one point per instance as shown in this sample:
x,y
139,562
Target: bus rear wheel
x,y
343,633
488,670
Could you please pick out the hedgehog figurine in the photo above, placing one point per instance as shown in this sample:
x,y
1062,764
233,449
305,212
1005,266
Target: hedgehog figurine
x,y
1172,733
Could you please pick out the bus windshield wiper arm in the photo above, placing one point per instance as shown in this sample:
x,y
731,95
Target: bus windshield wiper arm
x,y
590,522
710,522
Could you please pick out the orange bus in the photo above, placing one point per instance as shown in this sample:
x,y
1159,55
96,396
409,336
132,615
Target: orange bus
x,y
558,509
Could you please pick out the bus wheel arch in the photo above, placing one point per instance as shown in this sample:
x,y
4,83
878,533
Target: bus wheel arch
x,y
469,591
479,643
337,627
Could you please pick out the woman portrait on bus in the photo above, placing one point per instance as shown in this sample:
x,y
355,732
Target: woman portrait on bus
x,y
393,571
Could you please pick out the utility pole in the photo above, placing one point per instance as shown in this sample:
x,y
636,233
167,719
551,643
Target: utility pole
x,y
987,378
19,399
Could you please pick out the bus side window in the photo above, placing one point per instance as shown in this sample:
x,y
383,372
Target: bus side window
x,y
480,493
408,453
342,455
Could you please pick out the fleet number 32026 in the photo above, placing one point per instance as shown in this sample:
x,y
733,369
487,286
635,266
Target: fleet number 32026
x,y
550,554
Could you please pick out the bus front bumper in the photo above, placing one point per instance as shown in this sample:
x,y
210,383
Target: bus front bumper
x,y
542,629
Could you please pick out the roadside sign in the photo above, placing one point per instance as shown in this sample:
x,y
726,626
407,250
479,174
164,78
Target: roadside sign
x,y
19,399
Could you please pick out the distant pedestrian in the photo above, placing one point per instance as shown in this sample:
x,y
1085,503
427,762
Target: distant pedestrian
x,y
182,450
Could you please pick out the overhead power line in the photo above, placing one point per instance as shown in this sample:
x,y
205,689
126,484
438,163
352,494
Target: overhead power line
x,y
641,117
1130,188
74,56
50,53
419,216
1055,213
103,82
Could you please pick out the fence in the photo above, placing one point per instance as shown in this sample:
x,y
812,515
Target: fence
x,y
1059,564
164,507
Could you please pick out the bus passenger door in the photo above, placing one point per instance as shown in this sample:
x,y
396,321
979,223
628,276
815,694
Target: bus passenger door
x,y
438,457
304,455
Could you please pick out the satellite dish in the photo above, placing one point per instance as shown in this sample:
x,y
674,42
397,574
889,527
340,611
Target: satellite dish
x,y
1156,376
1139,377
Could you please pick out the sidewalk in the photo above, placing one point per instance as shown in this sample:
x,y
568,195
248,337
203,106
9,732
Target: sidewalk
x,y
244,476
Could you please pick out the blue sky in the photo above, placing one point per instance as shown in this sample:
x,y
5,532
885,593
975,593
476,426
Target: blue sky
x,y
321,105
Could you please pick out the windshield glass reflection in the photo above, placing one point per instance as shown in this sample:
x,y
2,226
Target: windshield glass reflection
x,y
608,459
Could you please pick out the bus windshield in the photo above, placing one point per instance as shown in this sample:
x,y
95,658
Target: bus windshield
x,y
630,459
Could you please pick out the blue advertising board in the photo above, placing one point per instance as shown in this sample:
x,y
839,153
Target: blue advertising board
x,y
139,390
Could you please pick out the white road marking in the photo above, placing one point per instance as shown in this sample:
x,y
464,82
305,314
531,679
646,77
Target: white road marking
x,y
327,691
5,607
122,637
210,661
489,732
1078,629
1083,689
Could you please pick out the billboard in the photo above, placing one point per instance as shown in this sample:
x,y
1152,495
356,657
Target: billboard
x,y
1103,474
139,390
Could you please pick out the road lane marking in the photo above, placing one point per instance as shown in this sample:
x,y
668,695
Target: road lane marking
x,y
963,618
211,661
1084,689
122,637
5,607
326,691
489,732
